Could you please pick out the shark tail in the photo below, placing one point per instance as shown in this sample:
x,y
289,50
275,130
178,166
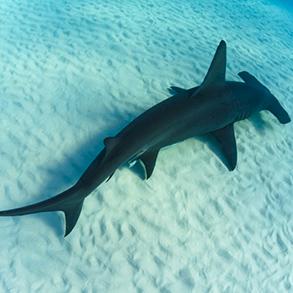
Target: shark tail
x,y
69,202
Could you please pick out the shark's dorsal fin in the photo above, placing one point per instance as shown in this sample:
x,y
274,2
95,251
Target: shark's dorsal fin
x,y
110,142
148,159
250,79
72,213
226,139
217,71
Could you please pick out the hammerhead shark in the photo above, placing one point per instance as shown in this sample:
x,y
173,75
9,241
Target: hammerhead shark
x,y
210,108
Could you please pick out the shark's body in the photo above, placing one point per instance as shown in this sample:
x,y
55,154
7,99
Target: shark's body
x,y
210,108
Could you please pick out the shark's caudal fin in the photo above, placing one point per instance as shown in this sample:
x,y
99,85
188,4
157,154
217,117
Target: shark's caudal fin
x,y
69,202
274,105
217,70
72,213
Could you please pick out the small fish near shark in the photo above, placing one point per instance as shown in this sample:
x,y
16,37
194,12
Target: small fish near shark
x,y
210,108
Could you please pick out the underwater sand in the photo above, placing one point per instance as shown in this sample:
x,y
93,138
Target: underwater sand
x,y
74,72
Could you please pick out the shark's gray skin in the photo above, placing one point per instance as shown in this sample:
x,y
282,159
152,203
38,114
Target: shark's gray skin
x,y
211,108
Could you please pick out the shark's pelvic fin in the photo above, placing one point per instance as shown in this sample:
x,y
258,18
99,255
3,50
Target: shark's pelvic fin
x,y
148,159
226,139
217,70
110,177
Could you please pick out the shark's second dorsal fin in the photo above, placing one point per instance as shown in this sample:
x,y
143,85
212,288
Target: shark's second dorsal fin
x,y
250,79
217,71
110,143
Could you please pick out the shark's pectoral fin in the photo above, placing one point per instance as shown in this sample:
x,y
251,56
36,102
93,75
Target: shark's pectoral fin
x,y
148,159
217,70
226,139
176,90
72,213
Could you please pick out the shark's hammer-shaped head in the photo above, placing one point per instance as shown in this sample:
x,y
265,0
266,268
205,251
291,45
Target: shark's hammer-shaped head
x,y
276,109
268,100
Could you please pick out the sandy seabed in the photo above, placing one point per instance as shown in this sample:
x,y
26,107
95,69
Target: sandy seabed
x,y
74,72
